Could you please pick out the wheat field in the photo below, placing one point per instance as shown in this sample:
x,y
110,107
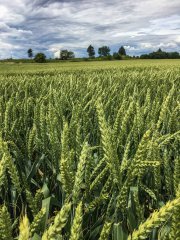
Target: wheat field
x,y
90,151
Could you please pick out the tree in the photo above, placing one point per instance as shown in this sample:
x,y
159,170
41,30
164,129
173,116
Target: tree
x,y
30,53
91,51
71,55
40,58
65,54
104,51
122,51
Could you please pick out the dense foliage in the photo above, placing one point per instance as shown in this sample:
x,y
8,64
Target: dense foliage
x,y
40,58
91,51
90,154
159,54
30,53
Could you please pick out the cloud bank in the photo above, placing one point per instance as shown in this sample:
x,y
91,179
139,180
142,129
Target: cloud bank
x,y
49,25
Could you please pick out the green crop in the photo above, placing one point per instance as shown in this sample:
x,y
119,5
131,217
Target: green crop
x,y
90,152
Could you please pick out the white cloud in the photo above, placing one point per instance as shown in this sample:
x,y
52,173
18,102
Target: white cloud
x,y
160,45
130,48
177,39
57,54
146,45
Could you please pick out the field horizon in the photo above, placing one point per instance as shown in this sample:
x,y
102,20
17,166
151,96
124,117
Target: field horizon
x,y
10,67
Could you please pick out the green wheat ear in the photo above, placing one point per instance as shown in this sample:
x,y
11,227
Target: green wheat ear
x,y
24,228
105,231
5,224
76,229
175,224
3,167
156,219
59,223
35,225
109,148
80,174
65,172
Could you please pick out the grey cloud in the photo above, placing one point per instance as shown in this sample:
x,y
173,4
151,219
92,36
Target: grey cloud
x,y
51,25
47,2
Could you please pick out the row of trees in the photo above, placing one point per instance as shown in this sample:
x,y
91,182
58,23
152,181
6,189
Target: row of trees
x,y
159,54
104,51
41,57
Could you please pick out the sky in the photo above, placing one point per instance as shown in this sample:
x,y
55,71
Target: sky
x,y
47,26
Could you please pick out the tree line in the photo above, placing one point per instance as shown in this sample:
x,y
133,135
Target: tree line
x,y
159,54
121,54
104,51
104,54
